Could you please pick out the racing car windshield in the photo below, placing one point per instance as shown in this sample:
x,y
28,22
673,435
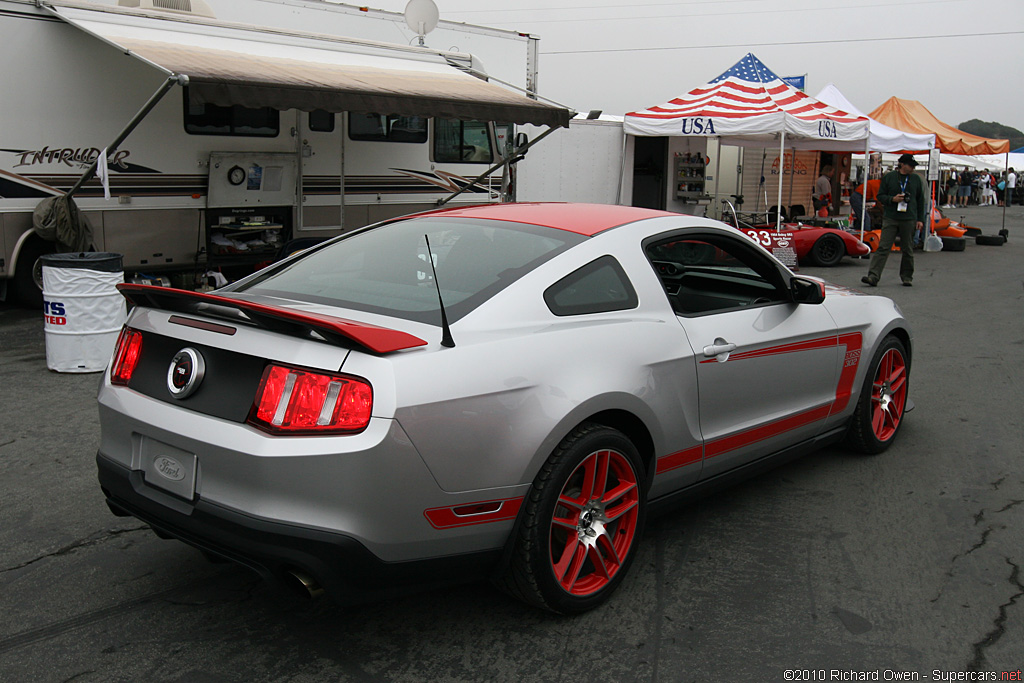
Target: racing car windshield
x,y
385,269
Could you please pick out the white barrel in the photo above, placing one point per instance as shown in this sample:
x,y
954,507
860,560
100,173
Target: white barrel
x,y
82,310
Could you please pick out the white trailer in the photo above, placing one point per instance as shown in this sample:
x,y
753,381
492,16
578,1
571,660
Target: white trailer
x,y
241,137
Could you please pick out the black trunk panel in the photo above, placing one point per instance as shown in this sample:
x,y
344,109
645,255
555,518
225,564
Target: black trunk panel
x,y
226,391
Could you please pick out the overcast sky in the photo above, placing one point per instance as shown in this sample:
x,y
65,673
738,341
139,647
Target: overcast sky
x,y
962,59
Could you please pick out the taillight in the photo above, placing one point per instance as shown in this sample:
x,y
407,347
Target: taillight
x,y
297,401
126,356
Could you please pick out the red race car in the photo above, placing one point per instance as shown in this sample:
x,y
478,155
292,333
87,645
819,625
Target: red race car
x,y
814,245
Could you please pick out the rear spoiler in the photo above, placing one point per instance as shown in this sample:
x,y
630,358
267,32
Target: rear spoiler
x,y
275,318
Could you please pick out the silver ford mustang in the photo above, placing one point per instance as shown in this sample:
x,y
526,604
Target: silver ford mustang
x,y
503,391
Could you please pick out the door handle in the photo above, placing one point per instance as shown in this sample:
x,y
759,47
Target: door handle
x,y
719,350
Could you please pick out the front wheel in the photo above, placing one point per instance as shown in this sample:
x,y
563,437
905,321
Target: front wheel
x,y
879,413
828,251
582,523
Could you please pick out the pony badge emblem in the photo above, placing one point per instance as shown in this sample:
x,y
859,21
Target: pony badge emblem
x,y
185,373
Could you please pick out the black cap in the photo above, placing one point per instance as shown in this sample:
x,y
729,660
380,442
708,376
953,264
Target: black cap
x,y
909,160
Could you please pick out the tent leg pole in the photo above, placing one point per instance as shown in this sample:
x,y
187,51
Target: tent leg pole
x,y
864,194
718,174
136,120
792,177
1006,190
782,169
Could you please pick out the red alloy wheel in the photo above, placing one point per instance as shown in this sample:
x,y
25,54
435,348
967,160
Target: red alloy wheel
x,y
594,524
888,395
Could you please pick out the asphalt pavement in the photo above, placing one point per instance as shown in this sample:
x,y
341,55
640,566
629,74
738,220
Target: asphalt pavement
x,y
834,567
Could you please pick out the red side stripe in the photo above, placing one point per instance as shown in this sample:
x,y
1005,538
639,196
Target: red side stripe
x,y
680,459
810,344
765,431
844,390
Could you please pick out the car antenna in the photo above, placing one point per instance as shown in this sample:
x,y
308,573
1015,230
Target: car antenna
x,y
446,330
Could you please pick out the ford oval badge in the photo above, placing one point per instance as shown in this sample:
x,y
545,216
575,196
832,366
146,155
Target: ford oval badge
x,y
169,467
186,372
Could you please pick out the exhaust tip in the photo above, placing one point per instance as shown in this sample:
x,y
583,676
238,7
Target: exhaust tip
x,y
305,584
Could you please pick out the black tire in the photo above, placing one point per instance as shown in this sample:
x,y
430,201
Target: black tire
x,y
954,243
1005,234
24,290
990,240
545,542
828,251
882,402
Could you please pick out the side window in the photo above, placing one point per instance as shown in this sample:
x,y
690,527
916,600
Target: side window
x,y
598,287
321,121
465,142
236,120
393,128
709,273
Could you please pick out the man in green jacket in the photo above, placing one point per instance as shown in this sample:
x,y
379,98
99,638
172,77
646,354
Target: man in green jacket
x,y
902,195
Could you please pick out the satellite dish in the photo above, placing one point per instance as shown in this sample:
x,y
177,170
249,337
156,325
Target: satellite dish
x,y
421,16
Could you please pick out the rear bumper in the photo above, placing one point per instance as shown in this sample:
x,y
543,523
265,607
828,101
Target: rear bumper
x,y
343,566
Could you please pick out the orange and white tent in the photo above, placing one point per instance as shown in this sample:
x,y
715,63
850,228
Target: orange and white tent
x,y
913,117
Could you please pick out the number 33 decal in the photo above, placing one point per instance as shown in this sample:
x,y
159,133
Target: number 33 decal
x,y
762,237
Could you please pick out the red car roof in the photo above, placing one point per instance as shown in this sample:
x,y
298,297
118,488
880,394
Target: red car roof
x,y
583,219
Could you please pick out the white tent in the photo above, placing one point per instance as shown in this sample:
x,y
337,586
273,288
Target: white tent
x,y
882,138
749,105
1014,160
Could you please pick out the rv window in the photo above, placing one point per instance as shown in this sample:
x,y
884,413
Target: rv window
x,y
393,128
213,119
462,142
321,121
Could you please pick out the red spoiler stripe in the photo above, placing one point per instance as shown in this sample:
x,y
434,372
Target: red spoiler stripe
x,y
377,339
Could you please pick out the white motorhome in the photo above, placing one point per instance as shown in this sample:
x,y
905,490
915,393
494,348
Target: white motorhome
x,y
225,140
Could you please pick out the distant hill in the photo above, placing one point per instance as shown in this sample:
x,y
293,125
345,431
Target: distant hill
x,y
991,129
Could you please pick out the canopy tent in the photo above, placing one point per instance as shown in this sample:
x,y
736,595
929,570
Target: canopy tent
x,y
1013,160
227,64
1019,150
749,106
882,138
951,161
913,117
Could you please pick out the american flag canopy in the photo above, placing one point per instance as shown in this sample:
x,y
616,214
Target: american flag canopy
x,y
750,105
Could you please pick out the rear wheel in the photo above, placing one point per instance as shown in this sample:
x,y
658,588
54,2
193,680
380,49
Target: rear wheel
x,y
582,523
828,251
879,413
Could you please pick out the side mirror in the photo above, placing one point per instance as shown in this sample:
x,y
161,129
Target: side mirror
x,y
807,291
521,140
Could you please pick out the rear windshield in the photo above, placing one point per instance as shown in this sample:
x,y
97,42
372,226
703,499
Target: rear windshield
x,y
385,269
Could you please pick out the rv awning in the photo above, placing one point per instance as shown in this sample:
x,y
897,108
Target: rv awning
x,y
229,63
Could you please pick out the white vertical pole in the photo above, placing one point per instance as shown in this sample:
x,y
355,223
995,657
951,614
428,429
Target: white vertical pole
x,y
782,168
1006,187
718,175
864,194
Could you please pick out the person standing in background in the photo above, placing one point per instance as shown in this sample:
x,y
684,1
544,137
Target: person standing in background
x,y
951,187
822,198
966,179
902,194
1011,186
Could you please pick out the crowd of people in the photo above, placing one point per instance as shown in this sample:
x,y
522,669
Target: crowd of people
x,y
982,188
